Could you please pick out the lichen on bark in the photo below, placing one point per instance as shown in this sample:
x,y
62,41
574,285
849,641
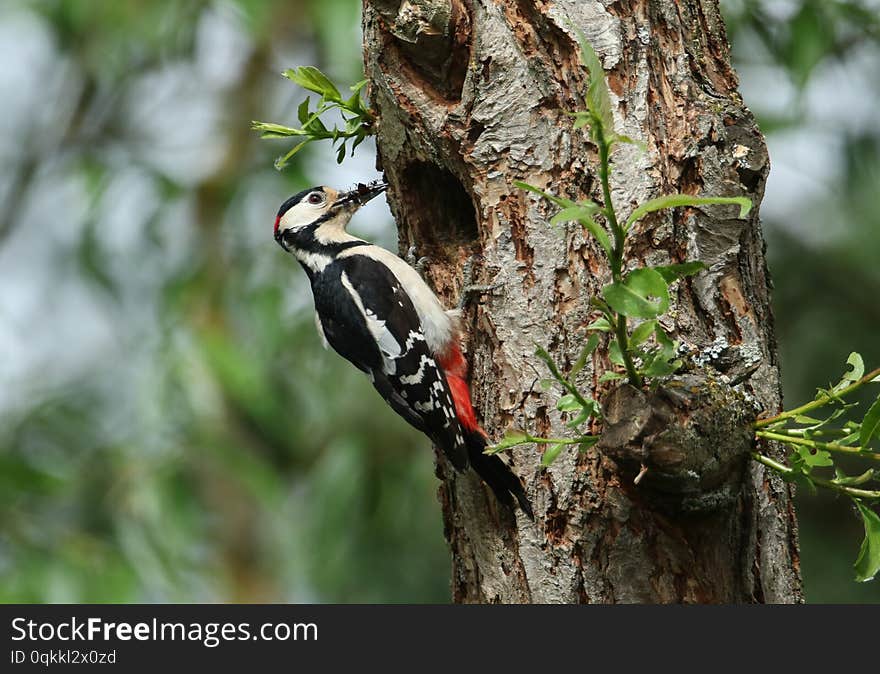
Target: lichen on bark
x,y
473,95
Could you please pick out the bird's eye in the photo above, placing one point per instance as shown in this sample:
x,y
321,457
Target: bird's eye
x,y
315,198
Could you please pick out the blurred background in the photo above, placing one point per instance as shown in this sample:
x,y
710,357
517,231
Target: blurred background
x,y
170,427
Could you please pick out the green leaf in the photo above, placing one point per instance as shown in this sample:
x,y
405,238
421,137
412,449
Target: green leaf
x,y
568,403
583,213
858,367
620,138
855,480
562,202
355,106
850,439
804,419
675,200
598,99
610,375
589,347
276,130
580,211
583,417
853,375
352,126
551,454
870,425
587,441
512,438
642,332
599,234
667,345
581,119
802,480
309,77
302,112
600,325
868,562
541,353
643,294
554,370
614,354
814,458
673,272
357,119
316,129
660,367
357,141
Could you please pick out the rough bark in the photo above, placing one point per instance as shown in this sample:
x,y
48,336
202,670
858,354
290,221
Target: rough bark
x,y
472,95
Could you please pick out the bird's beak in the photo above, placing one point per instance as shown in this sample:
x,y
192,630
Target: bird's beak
x,y
361,194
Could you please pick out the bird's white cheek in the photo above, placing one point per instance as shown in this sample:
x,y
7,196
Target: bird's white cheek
x,y
301,215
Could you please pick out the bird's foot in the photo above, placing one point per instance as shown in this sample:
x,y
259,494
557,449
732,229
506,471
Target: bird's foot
x,y
470,289
468,293
418,263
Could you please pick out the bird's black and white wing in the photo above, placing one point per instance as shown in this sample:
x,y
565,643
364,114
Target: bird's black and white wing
x,y
373,324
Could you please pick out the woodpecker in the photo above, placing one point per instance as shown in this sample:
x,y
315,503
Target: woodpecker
x,y
377,313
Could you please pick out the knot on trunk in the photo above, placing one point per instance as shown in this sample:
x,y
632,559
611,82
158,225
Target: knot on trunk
x,y
693,434
434,37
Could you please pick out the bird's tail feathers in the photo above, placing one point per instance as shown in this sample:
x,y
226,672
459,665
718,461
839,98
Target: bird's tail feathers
x,y
492,469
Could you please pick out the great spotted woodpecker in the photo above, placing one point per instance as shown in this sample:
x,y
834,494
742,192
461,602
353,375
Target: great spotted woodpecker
x,y
377,312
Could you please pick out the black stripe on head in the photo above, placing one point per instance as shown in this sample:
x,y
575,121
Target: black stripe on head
x,y
296,198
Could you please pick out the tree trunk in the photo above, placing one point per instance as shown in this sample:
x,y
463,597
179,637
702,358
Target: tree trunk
x,y
473,95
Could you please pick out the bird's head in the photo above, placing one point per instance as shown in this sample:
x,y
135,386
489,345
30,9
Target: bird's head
x,y
322,207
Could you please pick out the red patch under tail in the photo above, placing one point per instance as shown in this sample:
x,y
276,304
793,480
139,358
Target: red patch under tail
x,y
455,368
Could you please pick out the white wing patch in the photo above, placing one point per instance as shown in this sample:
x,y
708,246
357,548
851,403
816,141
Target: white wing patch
x,y
388,344
416,377
413,337
438,327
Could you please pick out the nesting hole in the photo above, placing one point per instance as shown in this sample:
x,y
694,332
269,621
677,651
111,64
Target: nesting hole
x,y
437,209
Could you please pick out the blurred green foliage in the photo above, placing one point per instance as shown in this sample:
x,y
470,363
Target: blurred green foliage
x,y
207,448
171,429
811,73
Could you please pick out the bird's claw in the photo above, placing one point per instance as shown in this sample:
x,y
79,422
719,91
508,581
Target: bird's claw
x,y
470,289
416,262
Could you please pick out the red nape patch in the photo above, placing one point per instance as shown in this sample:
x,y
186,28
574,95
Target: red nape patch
x,y
277,223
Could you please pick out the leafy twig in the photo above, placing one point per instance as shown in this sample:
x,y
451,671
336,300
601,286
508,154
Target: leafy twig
x,y
787,471
815,444
820,401
359,119
853,440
